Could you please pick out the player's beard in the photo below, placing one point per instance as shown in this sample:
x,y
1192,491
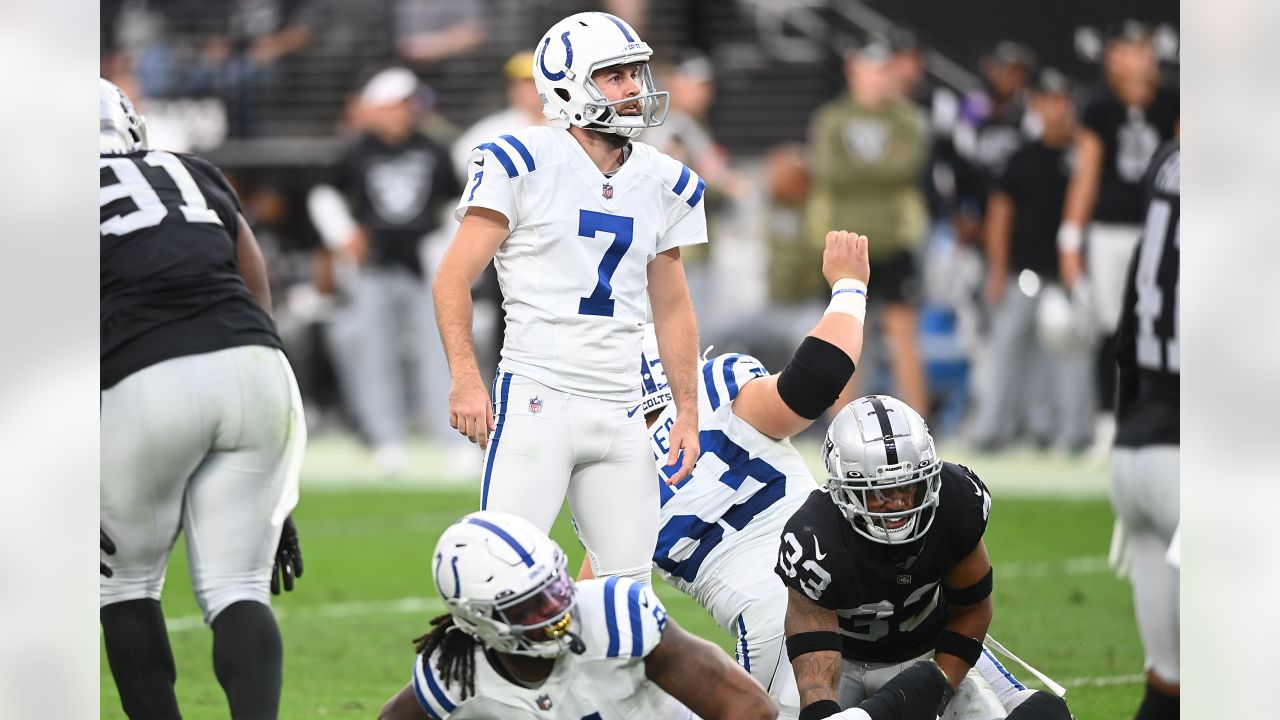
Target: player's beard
x,y
615,141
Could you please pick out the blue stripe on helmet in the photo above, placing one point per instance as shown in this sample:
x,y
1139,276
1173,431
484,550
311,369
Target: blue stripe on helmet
x,y
621,26
506,537
520,148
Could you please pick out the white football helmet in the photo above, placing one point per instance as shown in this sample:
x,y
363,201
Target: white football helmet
x,y
120,128
655,392
878,447
576,47
505,583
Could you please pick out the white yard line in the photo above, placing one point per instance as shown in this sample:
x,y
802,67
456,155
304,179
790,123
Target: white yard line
x,y
1104,681
408,605
1037,569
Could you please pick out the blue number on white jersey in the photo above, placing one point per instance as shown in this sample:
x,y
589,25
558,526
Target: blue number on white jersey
x,y
589,223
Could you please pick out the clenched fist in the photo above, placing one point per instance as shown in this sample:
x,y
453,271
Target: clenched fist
x,y
845,257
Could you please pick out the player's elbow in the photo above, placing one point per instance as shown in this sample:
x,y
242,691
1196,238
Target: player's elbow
x,y
751,706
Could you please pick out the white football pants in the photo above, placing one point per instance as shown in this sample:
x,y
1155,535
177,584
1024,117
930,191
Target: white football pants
x,y
1144,492
210,445
1110,248
547,443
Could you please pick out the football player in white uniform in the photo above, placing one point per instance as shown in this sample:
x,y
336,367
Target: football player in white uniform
x,y
720,523
521,640
580,223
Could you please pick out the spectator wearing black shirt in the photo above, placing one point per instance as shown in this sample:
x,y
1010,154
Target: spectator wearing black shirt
x,y
1123,126
1044,388
381,199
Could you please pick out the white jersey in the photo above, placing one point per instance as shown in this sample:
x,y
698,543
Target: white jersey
x,y
619,620
741,475
574,270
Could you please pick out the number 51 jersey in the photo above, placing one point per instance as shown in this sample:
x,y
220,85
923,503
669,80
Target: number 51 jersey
x,y
574,270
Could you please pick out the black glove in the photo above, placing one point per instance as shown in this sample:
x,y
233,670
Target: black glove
x,y
288,558
109,548
913,694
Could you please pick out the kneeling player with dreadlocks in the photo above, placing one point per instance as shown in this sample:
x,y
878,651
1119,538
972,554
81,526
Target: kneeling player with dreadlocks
x,y
889,583
521,640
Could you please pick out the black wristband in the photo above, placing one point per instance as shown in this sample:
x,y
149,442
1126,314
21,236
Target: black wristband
x,y
820,709
814,378
965,648
973,594
817,641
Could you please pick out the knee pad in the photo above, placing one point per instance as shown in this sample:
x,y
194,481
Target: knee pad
x,y
642,575
213,601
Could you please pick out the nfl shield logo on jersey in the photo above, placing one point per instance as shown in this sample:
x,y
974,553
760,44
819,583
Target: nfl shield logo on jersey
x,y
535,406
544,702
607,191
904,579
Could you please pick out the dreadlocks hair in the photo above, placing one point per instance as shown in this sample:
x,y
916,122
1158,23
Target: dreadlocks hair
x,y
457,658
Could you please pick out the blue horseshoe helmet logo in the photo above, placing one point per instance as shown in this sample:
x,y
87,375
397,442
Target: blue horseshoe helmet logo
x,y
568,58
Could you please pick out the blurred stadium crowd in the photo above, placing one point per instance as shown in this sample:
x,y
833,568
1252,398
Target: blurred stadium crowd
x,y
947,135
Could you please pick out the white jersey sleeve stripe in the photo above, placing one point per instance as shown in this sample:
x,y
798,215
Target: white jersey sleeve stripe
x,y
424,682
682,184
522,150
502,157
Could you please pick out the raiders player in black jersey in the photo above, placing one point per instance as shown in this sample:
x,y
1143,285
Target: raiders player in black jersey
x,y
202,427
1144,463
889,581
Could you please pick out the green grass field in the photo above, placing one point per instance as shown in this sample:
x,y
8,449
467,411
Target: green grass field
x,y
367,592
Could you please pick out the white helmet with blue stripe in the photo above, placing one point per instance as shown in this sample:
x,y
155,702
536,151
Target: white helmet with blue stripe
x,y
578,46
506,583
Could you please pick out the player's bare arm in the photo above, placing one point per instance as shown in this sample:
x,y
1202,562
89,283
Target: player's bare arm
x,y
817,671
971,579
479,235
252,265
781,407
403,706
700,675
677,331
1082,194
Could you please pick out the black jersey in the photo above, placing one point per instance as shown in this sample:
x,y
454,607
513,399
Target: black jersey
x,y
396,193
1147,349
1130,137
1035,179
169,282
888,598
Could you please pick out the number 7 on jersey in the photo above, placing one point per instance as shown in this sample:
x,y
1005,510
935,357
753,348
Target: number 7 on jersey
x,y
590,222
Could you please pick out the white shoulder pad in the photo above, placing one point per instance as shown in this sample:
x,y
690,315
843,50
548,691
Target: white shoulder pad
x,y
621,618
724,376
435,699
